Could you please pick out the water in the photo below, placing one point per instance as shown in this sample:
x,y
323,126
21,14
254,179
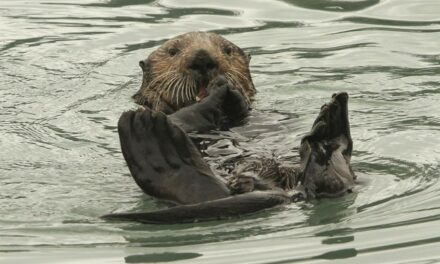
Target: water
x,y
68,69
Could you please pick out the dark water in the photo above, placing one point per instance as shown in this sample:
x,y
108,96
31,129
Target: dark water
x,y
68,69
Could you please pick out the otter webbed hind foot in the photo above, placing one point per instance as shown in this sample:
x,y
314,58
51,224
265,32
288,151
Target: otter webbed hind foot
x,y
163,160
326,152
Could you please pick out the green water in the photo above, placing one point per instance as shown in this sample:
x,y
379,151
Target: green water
x,y
68,69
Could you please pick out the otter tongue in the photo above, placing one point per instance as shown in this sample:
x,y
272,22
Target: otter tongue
x,y
202,93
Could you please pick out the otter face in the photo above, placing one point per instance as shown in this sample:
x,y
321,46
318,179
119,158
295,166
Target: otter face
x,y
178,72
326,151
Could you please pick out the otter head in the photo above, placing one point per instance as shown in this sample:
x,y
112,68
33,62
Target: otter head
x,y
178,72
326,151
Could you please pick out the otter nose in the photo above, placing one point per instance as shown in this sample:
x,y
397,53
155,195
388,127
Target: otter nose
x,y
202,62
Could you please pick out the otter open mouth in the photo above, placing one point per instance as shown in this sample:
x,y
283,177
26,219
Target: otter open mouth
x,y
202,88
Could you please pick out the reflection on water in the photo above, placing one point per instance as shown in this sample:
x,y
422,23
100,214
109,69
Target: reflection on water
x,y
156,258
68,69
337,6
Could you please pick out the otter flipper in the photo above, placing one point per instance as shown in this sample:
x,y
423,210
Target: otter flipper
x,y
163,160
326,152
225,208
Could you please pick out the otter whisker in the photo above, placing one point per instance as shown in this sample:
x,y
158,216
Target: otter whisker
x,y
157,94
159,79
167,82
182,90
173,83
166,86
238,73
187,89
231,78
192,96
179,86
167,91
194,88
240,78
174,93
237,80
157,100
182,94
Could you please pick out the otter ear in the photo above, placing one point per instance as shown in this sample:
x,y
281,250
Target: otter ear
x,y
249,56
141,97
145,65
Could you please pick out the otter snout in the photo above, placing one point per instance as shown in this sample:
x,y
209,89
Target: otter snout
x,y
202,62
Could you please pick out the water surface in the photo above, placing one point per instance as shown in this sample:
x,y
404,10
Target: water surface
x,y
68,69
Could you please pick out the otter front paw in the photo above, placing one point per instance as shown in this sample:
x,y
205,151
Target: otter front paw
x,y
233,104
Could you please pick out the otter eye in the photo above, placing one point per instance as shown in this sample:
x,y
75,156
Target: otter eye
x,y
173,51
227,50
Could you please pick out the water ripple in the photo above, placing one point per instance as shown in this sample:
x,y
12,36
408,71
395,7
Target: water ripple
x,y
389,22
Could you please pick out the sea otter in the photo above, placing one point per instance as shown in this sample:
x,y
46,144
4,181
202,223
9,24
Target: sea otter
x,y
208,86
